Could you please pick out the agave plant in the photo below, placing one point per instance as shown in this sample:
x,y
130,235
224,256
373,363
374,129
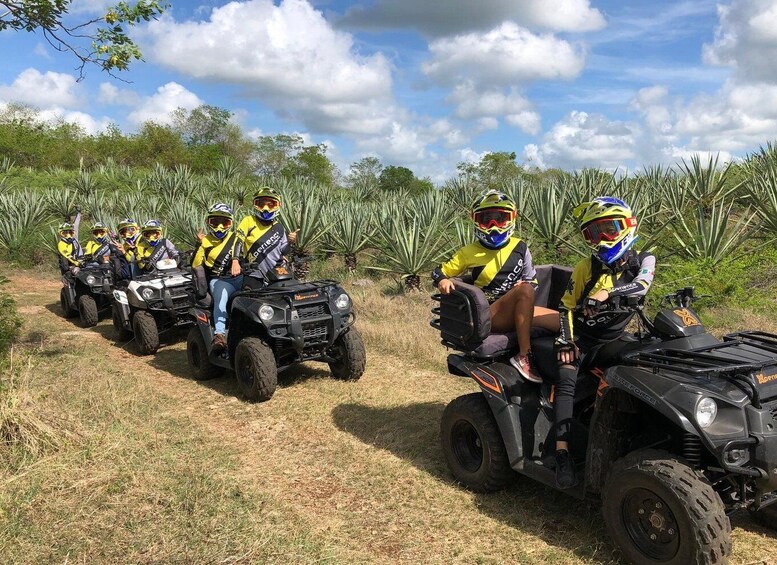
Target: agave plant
x,y
411,247
461,192
6,165
762,190
21,215
707,183
59,201
710,236
183,221
549,209
302,213
352,232
85,184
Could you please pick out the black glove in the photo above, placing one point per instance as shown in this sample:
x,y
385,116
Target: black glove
x,y
567,353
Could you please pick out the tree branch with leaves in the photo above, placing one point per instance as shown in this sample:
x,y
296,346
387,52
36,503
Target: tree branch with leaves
x,y
99,41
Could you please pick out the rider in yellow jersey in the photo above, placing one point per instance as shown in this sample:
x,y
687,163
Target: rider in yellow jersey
x,y
217,253
153,246
502,267
99,247
264,239
71,254
612,270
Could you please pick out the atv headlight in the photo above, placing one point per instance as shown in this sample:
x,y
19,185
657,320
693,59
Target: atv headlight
x,y
147,293
706,410
343,302
90,280
266,312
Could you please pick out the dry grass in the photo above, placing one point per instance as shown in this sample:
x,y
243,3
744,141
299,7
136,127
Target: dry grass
x,y
169,469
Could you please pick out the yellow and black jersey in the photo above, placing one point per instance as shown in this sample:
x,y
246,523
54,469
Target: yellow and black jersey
x,y
216,255
146,256
97,249
495,271
632,277
70,254
263,244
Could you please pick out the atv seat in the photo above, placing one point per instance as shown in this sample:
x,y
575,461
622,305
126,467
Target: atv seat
x,y
202,297
465,317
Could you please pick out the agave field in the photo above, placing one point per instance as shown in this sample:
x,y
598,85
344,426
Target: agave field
x,y
701,211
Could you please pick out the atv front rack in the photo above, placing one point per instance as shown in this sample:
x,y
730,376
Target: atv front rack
x,y
736,358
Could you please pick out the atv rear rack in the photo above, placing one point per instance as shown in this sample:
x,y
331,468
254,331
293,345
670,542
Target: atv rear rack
x,y
720,360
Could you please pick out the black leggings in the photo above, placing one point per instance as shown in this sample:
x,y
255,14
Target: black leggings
x,y
564,397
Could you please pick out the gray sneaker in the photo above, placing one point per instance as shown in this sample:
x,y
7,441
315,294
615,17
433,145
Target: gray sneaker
x,y
524,366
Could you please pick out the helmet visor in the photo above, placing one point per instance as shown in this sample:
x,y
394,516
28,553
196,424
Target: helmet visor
x,y
67,233
152,235
127,231
98,233
494,218
217,222
267,203
607,229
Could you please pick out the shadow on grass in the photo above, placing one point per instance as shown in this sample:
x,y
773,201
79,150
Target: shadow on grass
x,y
175,362
412,433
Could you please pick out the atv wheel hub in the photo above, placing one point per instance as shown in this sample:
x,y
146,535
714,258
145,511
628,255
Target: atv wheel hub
x,y
650,524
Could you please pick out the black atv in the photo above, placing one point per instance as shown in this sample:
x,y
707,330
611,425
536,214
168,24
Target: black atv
x,y
88,293
275,322
152,304
673,429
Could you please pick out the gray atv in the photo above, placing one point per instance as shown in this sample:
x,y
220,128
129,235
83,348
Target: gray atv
x,y
674,429
88,293
153,304
276,322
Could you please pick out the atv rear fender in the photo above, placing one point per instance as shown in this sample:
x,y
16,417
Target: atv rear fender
x,y
496,386
121,302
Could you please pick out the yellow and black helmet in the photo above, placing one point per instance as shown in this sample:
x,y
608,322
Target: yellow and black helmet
x,y
267,203
494,215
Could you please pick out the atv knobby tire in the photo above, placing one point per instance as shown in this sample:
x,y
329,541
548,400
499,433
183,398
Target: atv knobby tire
x,y
766,517
473,446
255,369
197,354
659,510
87,311
66,312
146,332
121,333
348,349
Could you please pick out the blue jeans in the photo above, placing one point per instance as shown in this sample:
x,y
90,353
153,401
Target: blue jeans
x,y
221,290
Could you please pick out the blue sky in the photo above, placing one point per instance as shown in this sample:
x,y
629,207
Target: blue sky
x,y
428,84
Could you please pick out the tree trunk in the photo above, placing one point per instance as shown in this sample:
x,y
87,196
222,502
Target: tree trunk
x,y
413,283
350,262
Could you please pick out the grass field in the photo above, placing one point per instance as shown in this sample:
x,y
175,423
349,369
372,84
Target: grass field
x,y
129,460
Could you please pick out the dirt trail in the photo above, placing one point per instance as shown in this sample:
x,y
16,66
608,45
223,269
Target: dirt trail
x,y
361,461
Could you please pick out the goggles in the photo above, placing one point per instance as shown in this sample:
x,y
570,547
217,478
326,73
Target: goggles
x,y
266,203
128,231
98,233
67,233
494,218
152,235
220,222
607,229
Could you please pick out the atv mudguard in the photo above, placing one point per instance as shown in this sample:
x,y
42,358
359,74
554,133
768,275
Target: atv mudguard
x,y
121,302
70,294
497,383
201,319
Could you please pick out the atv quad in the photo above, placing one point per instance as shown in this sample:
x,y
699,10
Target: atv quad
x,y
88,293
673,429
274,325
152,304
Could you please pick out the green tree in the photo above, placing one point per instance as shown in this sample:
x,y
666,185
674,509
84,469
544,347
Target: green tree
x,y
273,153
393,178
365,173
108,46
494,171
156,143
312,163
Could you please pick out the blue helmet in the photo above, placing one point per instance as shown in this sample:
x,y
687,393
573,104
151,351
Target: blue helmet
x,y
608,226
494,215
220,218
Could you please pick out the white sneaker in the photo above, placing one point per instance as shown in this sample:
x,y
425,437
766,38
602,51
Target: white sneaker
x,y
523,364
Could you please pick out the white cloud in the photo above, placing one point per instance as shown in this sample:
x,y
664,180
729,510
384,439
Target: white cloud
x,y
90,124
585,140
516,110
287,55
40,51
452,17
43,90
505,56
159,107
110,94
746,39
